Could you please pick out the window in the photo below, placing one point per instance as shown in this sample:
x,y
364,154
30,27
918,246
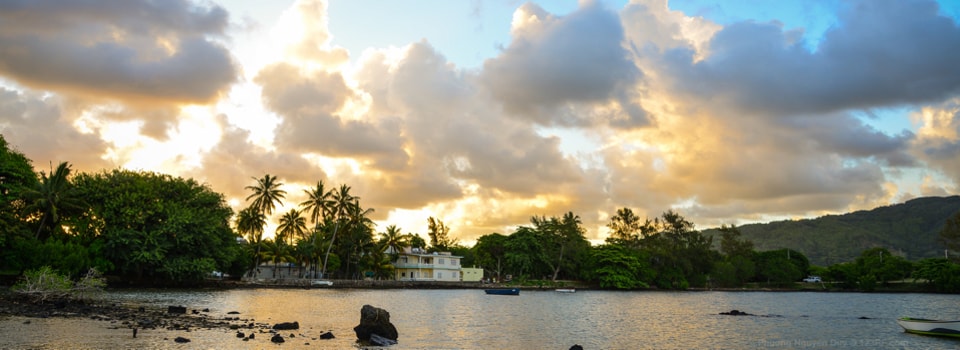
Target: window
x,y
454,262
441,261
439,275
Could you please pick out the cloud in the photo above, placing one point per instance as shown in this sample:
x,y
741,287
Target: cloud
x,y
231,164
39,127
557,62
938,141
880,54
132,51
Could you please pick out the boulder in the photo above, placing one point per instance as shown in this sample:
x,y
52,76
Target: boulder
x,y
736,313
277,338
181,340
287,326
374,320
327,335
176,309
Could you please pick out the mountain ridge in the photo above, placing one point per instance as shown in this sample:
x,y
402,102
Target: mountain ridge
x,y
909,229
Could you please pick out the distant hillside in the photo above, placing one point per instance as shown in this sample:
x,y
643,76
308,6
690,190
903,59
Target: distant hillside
x,y
909,229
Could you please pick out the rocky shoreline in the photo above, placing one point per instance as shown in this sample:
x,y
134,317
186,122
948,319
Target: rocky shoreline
x,y
177,319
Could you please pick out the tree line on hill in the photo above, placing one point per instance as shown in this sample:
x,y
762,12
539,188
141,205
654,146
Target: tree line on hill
x,y
145,227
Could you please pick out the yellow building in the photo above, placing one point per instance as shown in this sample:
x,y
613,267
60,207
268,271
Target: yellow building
x,y
471,274
415,264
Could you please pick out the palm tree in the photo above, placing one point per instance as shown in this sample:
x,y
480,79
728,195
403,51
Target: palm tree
x,y
342,201
266,194
360,231
292,227
394,240
277,252
53,197
318,203
250,223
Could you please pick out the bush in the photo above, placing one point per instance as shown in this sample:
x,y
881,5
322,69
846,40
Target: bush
x,y
46,284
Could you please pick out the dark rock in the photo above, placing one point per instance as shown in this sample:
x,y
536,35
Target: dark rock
x,y
293,335
327,335
736,313
241,335
375,321
181,340
233,313
206,310
277,338
195,311
864,318
141,309
176,309
381,341
286,326
576,347
253,336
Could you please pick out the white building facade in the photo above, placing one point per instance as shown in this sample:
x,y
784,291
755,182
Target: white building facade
x,y
415,264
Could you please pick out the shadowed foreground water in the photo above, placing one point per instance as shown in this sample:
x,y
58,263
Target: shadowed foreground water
x,y
469,319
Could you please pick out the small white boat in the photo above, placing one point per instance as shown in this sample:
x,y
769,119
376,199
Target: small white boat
x,y
930,327
566,290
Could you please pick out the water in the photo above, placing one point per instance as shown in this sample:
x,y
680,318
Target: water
x,y
469,319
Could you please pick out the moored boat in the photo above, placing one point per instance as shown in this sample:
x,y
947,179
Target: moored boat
x,y
930,327
566,290
503,291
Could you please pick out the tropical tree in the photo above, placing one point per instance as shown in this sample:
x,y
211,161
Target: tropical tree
x,y
16,176
416,241
319,202
342,202
250,224
950,235
157,227
619,267
439,235
292,227
266,194
394,241
490,251
359,229
524,253
559,236
53,198
277,252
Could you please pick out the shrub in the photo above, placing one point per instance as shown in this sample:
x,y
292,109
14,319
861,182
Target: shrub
x,y
46,284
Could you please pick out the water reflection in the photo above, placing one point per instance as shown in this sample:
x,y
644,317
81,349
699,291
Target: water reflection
x,y
469,319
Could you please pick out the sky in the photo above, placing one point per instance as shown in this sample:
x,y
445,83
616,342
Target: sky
x,y
483,114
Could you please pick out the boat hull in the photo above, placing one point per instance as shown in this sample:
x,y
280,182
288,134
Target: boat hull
x,y
511,291
930,327
566,290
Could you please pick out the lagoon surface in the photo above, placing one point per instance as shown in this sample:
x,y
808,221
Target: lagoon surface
x,y
470,319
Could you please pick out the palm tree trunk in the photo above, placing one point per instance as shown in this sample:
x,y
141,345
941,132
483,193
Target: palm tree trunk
x,y
323,273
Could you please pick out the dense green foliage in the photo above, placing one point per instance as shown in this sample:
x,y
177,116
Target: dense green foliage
x,y
910,229
155,228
